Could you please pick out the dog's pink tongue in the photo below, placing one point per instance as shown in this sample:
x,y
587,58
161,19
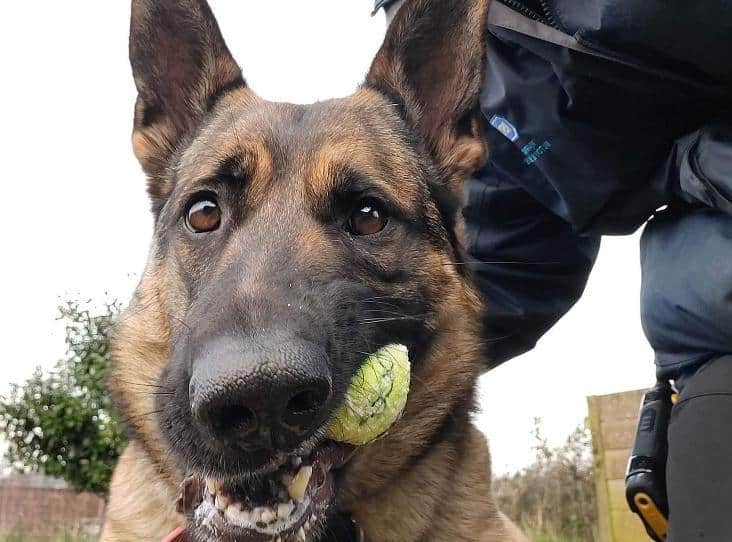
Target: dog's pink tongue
x,y
179,535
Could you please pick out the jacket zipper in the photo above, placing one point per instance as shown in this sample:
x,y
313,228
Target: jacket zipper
x,y
517,6
549,14
547,18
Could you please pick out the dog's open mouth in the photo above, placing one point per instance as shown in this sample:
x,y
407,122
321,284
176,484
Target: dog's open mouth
x,y
284,505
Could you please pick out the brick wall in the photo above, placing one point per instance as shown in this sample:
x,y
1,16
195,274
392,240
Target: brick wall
x,y
47,512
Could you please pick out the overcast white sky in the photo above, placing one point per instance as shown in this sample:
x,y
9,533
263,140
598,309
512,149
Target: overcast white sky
x,y
75,220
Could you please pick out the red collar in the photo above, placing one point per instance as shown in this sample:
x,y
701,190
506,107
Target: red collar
x,y
179,535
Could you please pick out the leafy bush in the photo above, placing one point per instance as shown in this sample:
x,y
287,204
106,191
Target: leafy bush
x,y
554,498
62,423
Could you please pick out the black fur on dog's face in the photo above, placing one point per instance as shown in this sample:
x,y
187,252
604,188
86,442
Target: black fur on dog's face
x,y
319,241
292,241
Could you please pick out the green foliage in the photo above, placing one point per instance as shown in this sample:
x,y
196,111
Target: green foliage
x,y
554,498
62,423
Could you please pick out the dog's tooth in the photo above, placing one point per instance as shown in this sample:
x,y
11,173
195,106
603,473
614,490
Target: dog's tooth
x,y
256,514
301,535
211,486
268,515
284,510
299,484
222,502
237,515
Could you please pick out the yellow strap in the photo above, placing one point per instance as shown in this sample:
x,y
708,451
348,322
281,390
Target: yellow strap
x,y
651,515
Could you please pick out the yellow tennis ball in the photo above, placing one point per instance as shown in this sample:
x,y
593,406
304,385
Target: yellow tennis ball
x,y
376,397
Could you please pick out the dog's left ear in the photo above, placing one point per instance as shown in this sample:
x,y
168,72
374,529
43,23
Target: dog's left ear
x,y
181,65
432,63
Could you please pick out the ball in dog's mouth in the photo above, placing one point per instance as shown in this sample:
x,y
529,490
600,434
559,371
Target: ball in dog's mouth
x,y
284,505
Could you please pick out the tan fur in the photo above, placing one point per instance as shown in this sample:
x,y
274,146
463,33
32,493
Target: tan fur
x,y
446,496
429,479
434,109
143,503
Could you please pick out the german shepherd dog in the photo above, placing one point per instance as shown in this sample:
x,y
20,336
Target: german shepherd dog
x,y
291,242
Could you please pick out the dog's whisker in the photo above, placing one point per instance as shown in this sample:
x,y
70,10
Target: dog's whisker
x,y
139,307
145,384
390,306
392,313
140,416
181,322
496,339
499,262
368,344
367,304
377,297
383,320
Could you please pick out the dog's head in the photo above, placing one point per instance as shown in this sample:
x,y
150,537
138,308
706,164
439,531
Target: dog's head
x,y
291,242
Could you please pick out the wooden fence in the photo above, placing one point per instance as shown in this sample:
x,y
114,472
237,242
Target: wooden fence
x,y
613,420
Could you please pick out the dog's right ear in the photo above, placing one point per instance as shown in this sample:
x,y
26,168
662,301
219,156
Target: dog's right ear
x,y
432,63
181,65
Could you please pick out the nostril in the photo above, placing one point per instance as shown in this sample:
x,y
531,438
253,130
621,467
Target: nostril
x,y
306,401
237,419
303,408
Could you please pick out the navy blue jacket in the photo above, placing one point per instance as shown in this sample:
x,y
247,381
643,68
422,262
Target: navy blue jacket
x,y
596,129
598,113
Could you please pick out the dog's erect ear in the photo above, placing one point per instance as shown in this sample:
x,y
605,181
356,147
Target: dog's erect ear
x,y
432,62
181,65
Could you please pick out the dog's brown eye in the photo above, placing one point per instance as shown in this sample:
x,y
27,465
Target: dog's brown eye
x,y
368,218
204,215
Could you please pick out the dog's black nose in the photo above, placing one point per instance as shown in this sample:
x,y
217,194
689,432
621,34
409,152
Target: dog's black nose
x,y
260,394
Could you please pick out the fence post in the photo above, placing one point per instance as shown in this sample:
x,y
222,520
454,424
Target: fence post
x,y
604,524
613,420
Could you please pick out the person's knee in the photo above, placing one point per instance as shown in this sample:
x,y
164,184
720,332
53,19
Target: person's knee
x,y
686,295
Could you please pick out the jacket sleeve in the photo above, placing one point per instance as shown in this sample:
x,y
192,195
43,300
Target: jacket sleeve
x,y
699,168
529,264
